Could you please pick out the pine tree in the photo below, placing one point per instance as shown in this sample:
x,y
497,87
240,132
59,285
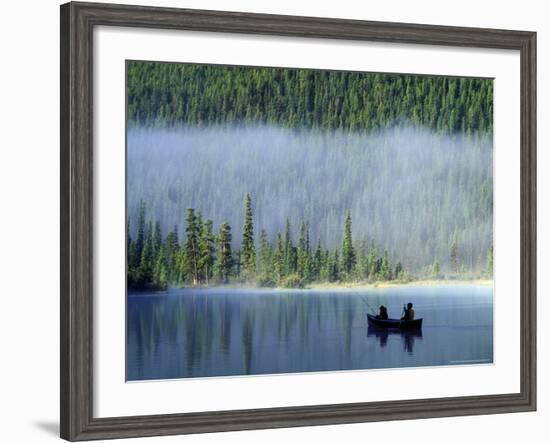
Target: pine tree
x,y
157,239
206,251
129,243
334,267
145,271
171,248
372,264
140,235
149,241
398,271
290,252
192,246
278,259
317,262
303,265
436,268
265,257
362,266
385,267
248,251
224,255
454,256
160,277
348,253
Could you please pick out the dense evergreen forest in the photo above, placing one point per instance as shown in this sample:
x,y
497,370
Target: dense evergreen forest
x,y
172,94
407,158
206,257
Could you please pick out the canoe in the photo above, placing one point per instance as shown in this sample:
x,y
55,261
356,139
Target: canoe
x,y
383,333
393,323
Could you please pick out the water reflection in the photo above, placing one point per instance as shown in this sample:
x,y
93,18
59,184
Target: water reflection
x,y
408,337
217,332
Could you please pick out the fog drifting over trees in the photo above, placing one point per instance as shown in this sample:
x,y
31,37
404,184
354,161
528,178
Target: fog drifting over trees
x,y
408,190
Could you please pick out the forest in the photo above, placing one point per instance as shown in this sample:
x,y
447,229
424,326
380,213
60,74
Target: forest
x,y
408,158
175,94
206,257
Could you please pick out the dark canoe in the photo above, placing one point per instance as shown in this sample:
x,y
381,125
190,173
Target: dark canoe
x,y
393,323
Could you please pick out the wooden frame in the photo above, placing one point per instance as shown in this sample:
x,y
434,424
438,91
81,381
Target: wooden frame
x,y
77,23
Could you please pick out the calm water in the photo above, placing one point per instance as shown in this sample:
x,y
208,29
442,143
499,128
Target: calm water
x,y
216,332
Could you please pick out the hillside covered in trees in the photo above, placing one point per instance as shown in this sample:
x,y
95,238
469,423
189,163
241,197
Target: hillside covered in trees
x,y
407,158
173,94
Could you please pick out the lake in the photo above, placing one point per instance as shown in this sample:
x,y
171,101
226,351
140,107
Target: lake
x,y
220,331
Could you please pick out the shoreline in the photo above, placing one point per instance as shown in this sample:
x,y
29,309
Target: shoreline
x,y
337,286
393,284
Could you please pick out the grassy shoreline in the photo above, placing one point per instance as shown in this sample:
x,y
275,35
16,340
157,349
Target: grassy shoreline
x,y
396,284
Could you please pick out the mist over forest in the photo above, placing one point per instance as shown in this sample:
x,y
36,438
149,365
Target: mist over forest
x,y
409,190
390,173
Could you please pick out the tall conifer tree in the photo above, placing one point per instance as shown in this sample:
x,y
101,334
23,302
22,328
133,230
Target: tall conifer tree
x,y
348,253
248,251
192,245
224,255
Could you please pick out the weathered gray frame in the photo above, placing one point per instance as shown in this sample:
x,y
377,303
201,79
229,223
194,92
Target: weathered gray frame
x,y
77,23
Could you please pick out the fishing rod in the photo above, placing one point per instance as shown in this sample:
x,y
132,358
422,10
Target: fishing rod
x,y
367,303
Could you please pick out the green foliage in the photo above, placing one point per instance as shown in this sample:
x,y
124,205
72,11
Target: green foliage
x,y
444,209
436,269
348,253
192,252
292,281
206,251
248,251
204,256
266,257
224,255
169,94
303,264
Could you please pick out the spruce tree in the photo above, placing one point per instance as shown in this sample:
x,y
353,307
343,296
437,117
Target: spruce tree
x,y
335,267
278,259
348,253
290,251
140,235
303,265
171,248
206,251
157,239
361,268
454,256
317,262
372,264
192,246
224,255
385,267
436,269
326,266
160,277
145,270
248,251
265,257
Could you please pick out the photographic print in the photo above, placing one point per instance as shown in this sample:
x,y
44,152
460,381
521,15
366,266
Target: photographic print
x,y
284,220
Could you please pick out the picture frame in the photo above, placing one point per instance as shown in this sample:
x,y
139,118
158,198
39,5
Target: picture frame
x,y
78,21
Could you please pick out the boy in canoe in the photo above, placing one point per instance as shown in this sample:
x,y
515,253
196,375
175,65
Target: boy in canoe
x,y
409,312
383,313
